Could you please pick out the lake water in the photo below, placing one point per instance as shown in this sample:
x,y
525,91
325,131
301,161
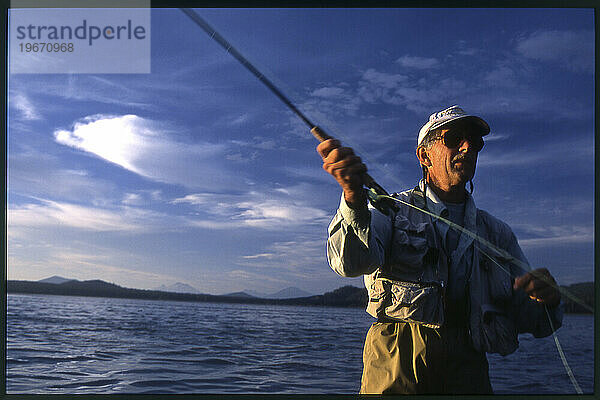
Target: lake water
x,y
69,345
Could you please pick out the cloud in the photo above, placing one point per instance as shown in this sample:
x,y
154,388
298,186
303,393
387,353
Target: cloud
x,y
417,62
142,197
21,102
240,120
101,263
557,235
503,76
40,174
264,210
257,280
133,199
69,215
573,49
261,255
377,86
418,95
304,251
383,79
328,92
144,147
519,156
556,241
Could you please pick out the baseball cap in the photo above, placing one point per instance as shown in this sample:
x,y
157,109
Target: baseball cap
x,y
451,114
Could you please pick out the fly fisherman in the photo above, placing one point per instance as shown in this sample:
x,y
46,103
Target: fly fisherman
x,y
441,298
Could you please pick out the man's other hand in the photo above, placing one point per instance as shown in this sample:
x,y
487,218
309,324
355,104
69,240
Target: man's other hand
x,y
540,286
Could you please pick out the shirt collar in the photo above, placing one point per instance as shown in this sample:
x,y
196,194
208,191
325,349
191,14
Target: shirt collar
x,y
436,206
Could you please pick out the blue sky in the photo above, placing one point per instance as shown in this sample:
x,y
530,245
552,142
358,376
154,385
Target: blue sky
x,y
196,173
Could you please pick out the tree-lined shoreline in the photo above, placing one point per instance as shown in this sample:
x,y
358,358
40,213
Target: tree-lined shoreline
x,y
345,296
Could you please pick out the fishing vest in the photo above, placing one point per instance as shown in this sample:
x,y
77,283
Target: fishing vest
x,y
411,285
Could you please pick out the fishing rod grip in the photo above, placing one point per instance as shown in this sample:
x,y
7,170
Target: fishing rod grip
x,y
369,181
320,134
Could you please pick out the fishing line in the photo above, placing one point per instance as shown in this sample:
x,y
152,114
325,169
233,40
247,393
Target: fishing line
x,y
500,253
562,355
376,192
503,254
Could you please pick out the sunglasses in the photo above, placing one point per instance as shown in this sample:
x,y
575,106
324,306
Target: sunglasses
x,y
453,138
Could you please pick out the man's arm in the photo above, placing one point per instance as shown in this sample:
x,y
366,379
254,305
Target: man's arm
x,y
357,234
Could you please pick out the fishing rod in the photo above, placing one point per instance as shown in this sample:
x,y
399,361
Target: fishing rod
x,y
384,206
378,196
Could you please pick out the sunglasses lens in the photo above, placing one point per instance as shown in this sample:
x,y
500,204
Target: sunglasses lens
x,y
453,139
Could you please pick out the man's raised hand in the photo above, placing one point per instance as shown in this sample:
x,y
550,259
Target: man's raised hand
x,y
347,169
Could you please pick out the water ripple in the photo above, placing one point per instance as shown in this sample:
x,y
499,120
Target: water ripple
x,y
64,345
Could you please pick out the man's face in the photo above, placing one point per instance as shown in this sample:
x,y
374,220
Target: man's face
x,y
453,166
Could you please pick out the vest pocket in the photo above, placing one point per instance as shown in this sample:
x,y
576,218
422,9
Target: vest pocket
x,y
407,301
409,249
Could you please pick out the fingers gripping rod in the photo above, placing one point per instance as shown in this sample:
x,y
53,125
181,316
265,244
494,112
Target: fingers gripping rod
x,y
314,129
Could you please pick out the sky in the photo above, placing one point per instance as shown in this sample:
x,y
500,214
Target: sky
x,y
196,173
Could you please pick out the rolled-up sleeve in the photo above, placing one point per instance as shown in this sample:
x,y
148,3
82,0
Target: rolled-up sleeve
x,y
357,240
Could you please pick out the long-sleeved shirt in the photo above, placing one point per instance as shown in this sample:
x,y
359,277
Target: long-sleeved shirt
x,y
406,271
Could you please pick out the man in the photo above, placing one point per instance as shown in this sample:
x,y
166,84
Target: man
x,y
442,298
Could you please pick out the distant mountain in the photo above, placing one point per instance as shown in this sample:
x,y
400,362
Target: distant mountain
x,y
342,297
346,296
178,288
56,280
287,293
255,293
240,295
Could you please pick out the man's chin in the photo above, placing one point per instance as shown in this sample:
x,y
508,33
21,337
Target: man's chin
x,y
464,174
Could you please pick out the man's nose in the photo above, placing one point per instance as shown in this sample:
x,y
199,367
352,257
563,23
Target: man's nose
x,y
465,145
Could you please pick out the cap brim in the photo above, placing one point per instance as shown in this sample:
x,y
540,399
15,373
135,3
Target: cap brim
x,y
480,123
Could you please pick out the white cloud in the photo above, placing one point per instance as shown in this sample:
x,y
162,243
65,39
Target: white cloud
x,y
304,256
133,199
62,214
142,197
22,103
145,148
261,255
328,92
417,62
272,210
557,235
418,95
383,79
556,241
573,49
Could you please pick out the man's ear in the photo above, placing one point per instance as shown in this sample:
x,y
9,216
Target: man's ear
x,y
423,157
